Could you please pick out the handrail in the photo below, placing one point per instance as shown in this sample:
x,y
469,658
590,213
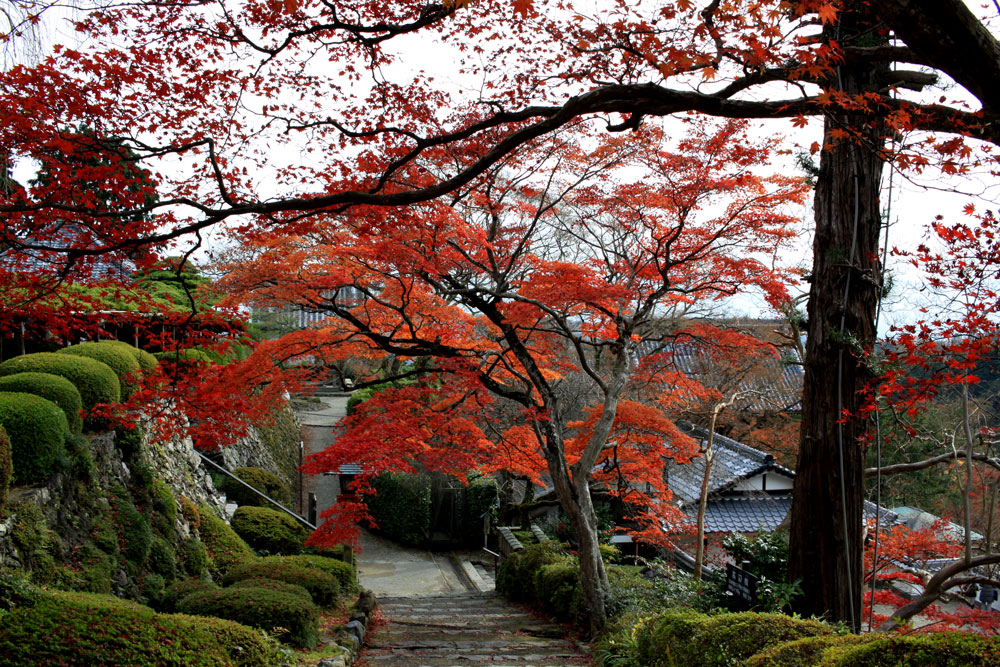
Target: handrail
x,y
305,522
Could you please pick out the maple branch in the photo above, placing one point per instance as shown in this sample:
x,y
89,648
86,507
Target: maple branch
x,y
950,457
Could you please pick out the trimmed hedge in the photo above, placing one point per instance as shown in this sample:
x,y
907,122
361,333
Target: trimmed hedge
x,y
717,641
246,646
6,467
274,585
37,430
265,480
95,381
147,362
225,548
557,588
180,589
344,573
323,587
516,577
121,361
193,557
401,508
802,652
940,649
259,608
131,526
82,630
55,388
269,530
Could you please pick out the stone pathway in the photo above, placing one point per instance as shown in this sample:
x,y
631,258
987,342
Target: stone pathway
x,y
465,630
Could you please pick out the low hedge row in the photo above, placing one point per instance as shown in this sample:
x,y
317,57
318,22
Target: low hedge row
x,y
344,573
274,585
517,574
323,587
260,608
55,388
95,381
939,649
269,530
37,430
6,467
102,630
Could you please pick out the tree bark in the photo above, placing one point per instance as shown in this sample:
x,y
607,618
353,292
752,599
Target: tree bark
x,y
826,516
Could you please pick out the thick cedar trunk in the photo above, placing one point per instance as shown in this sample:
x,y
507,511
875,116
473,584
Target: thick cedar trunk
x,y
826,517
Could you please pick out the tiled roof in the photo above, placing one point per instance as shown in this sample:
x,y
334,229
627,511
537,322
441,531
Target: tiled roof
x,y
744,514
777,385
732,462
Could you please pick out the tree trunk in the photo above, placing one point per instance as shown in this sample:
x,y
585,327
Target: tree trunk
x,y
826,516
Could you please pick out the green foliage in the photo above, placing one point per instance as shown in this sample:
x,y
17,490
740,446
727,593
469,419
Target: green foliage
x,y
6,467
402,507
225,548
343,572
264,480
481,497
517,574
147,362
274,585
95,381
246,646
81,461
942,649
665,589
281,434
718,641
121,361
16,590
162,559
260,608
100,630
129,441
557,588
802,652
767,554
55,388
94,571
179,590
37,430
323,587
194,557
269,530
133,530
191,513
164,508
183,357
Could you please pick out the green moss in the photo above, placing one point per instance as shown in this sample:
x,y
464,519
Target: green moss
x,y
190,512
121,361
263,480
162,560
132,527
164,508
16,590
269,530
179,590
268,610
344,573
96,571
943,649
129,441
802,652
246,646
95,381
323,587
225,548
281,435
55,388
37,430
194,557
124,634
6,468
274,585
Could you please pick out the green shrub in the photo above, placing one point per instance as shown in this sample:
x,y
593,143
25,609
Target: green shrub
x,y
95,570
481,495
802,652
95,381
37,430
323,587
121,361
401,509
632,592
269,530
56,388
246,646
6,467
81,461
132,528
557,588
129,441
718,641
268,610
225,548
162,560
190,512
187,357
943,649
99,630
344,573
516,577
16,590
179,590
146,361
193,557
264,480
164,508
274,585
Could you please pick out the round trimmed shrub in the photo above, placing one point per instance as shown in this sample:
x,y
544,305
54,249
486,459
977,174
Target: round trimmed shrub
x,y
146,361
180,589
939,649
193,557
6,466
516,577
164,508
718,641
246,646
557,587
37,430
56,388
95,381
274,585
264,480
162,560
802,652
344,573
101,630
269,530
259,608
225,548
121,361
323,588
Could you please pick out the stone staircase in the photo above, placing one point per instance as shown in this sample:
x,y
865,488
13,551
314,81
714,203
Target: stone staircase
x,y
466,630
